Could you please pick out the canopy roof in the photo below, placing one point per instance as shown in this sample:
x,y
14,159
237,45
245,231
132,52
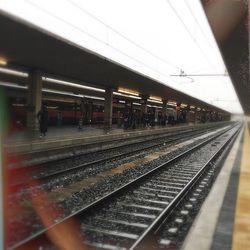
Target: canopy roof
x,y
28,47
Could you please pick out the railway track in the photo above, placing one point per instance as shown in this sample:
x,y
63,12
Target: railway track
x,y
67,152
125,217
27,174
173,230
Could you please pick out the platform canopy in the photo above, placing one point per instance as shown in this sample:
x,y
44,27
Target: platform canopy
x,y
28,47
232,35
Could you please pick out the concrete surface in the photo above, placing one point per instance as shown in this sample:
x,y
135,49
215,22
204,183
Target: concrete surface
x,y
58,137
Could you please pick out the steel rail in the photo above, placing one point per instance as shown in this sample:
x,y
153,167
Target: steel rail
x,y
169,139
181,194
167,133
119,190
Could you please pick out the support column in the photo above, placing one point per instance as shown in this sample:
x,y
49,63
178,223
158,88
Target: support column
x,y
188,115
164,107
34,101
144,110
156,115
165,110
195,115
178,109
144,100
108,108
131,106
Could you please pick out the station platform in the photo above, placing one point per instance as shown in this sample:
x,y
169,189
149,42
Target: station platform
x,y
223,221
70,136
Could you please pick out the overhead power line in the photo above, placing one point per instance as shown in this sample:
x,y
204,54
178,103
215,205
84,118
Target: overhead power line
x,y
92,36
186,75
198,24
222,100
188,31
120,34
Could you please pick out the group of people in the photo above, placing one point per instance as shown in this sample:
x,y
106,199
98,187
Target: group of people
x,y
129,120
134,119
43,118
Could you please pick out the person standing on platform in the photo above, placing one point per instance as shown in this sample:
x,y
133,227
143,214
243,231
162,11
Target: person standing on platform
x,y
59,119
133,119
82,111
119,120
43,118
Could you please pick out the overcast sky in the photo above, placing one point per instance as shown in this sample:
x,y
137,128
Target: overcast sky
x,y
157,38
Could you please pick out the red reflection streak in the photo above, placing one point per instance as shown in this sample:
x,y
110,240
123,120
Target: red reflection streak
x,y
65,235
12,209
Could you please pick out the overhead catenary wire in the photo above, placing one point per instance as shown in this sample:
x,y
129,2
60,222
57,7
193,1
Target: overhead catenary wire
x,y
191,80
223,100
188,31
187,75
92,36
197,23
121,35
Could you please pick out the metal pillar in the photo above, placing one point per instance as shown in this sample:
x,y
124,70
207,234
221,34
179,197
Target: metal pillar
x,y
195,115
156,115
178,109
164,106
34,101
164,111
144,109
131,106
188,114
108,108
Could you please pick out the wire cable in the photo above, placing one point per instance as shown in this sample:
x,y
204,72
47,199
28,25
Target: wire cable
x,y
191,80
224,75
92,36
188,31
198,24
120,34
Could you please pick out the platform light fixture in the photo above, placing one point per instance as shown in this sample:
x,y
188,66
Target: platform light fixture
x,y
3,61
18,104
94,97
129,96
52,91
183,105
52,107
59,99
71,84
172,103
154,101
71,94
128,91
121,101
155,98
136,103
13,72
13,85
154,106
